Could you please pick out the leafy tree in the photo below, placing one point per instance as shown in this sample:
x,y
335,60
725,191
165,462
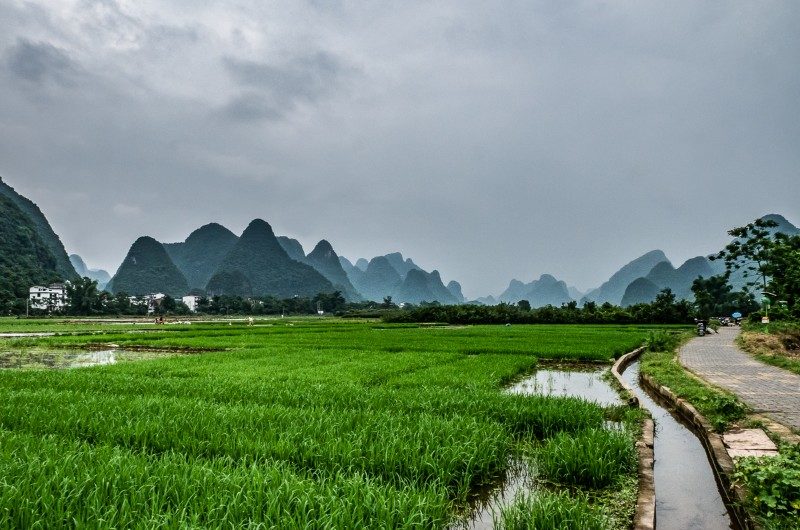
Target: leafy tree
x,y
83,297
783,269
524,305
750,252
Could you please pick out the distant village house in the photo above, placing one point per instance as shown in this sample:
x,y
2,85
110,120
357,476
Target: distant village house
x,y
48,298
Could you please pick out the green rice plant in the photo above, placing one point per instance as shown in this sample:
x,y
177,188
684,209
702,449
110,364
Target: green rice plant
x,y
544,510
593,458
314,424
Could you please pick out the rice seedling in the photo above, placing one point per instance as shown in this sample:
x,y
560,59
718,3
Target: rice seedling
x,y
545,510
593,458
314,425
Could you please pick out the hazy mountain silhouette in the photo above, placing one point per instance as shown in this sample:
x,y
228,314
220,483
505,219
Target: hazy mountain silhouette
x,y
199,256
99,275
420,286
293,248
259,258
455,289
402,266
545,291
148,269
63,266
325,260
379,280
640,291
614,289
362,264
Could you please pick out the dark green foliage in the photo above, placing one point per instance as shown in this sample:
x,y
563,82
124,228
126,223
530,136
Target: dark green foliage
x,y
713,297
148,269
662,341
63,267
202,253
259,257
83,296
25,260
665,310
324,259
773,486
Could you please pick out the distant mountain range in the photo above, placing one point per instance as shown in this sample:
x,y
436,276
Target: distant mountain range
x,y
99,275
214,260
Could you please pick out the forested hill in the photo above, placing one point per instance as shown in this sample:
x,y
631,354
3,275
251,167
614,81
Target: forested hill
x,y
63,266
25,259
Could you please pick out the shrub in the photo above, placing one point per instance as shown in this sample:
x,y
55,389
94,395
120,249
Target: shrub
x,y
773,483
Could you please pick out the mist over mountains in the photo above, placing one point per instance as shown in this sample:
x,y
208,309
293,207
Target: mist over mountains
x,y
212,260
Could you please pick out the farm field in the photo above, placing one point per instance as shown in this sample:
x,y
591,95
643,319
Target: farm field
x,y
302,424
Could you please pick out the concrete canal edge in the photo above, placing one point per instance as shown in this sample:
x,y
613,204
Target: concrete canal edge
x,y
722,463
645,516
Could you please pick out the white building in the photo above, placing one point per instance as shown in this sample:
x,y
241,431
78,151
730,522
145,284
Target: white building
x,y
191,302
50,298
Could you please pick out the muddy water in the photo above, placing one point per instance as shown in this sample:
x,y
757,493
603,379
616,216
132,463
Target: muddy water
x,y
588,385
687,495
36,358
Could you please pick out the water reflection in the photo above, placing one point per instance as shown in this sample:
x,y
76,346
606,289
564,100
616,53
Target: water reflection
x,y
588,385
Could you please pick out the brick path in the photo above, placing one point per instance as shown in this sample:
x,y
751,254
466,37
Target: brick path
x,y
766,389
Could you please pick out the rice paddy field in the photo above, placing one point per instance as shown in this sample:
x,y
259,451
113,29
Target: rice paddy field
x,y
304,424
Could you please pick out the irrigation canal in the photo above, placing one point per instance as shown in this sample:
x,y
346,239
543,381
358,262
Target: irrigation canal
x,y
687,493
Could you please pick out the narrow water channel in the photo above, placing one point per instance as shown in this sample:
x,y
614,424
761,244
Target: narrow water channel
x,y
687,494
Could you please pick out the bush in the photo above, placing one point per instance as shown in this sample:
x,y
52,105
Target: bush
x,y
773,484
662,341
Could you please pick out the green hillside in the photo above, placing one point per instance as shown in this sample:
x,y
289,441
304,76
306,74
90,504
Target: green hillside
x,y
202,253
259,258
25,259
63,266
148,269
325,260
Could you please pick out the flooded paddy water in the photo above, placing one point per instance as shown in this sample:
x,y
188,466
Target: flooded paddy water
x,y
585,382
38,358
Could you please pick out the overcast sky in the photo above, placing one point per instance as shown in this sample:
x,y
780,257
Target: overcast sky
x,y
488,140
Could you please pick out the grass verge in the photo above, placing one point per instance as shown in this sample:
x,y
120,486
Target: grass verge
x,y
721,408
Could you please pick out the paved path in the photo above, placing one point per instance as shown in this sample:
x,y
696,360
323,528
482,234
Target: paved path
x,y
767,389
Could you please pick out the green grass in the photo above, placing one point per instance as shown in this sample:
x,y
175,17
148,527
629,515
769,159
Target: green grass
x,y
544,510
563,458
719,407
301,423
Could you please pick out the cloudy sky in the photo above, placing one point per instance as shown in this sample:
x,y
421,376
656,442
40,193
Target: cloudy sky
x,y
489,140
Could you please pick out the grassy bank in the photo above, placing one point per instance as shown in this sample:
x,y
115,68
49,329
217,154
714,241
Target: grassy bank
x,y
777,344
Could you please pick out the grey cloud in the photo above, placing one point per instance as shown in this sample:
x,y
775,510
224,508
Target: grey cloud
x,y
40,62
251,107
306,77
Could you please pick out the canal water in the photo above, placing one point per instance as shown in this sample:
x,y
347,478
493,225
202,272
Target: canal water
x,y
687,494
